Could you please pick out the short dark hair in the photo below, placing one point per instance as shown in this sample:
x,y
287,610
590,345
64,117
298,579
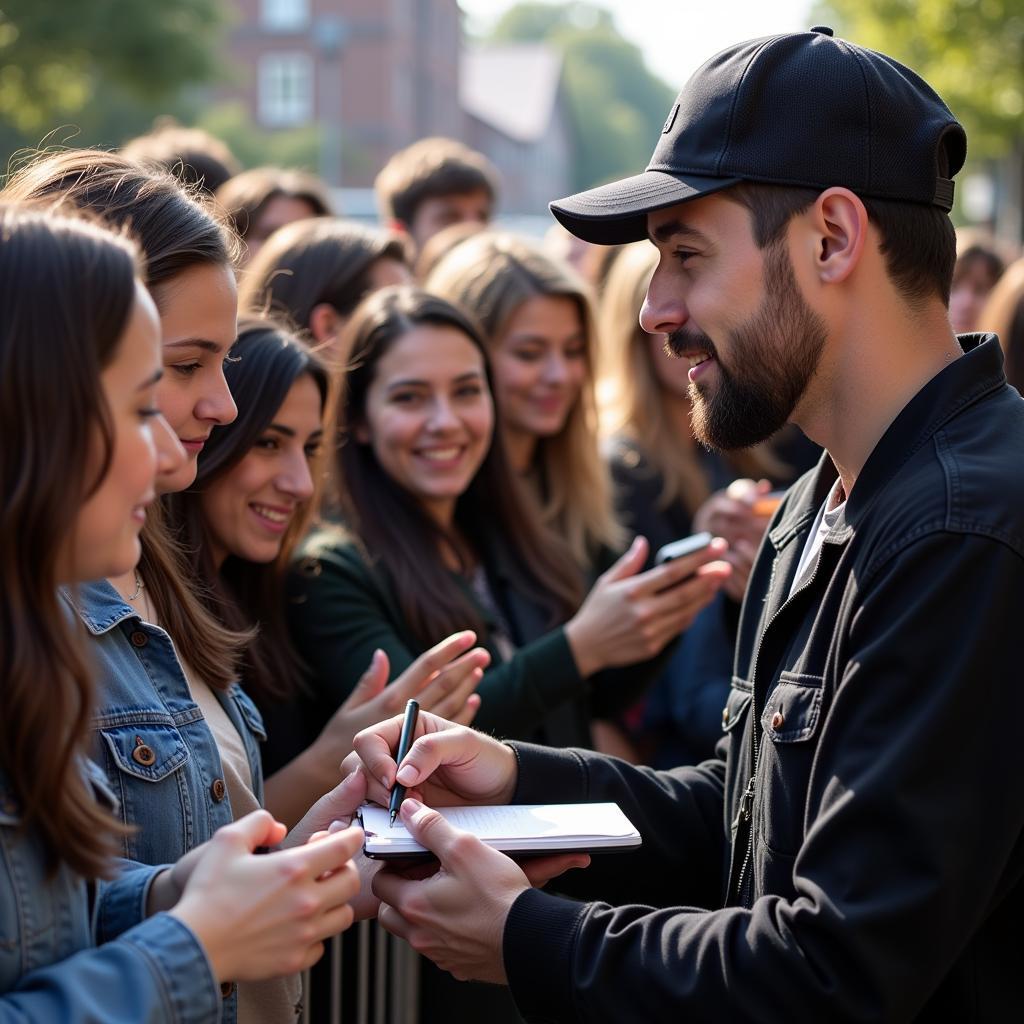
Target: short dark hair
x,y
321,259
192,155
429,169
245,197
918,241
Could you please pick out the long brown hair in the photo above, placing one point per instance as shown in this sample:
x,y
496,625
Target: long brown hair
x,y
1003,313
67,289
176,230
491,275
266,361
390,523
632,399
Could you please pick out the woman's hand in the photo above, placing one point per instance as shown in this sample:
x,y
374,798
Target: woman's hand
x,y
263,915
442,680
440,684
732,514
629,615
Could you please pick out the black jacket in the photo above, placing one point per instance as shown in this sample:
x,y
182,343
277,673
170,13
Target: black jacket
x,y
875,873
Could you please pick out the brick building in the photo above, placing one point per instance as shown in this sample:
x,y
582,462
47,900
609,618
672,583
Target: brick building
x,y
375,75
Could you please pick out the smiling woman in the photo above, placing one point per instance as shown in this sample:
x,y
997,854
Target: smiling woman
x,y
252,498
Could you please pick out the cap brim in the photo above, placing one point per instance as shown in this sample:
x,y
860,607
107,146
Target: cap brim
x,y
616,213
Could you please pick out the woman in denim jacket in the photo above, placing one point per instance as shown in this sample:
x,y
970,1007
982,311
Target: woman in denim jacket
x,y
176,736
77,945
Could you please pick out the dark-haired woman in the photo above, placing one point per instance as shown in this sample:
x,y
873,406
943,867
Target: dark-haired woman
x,y
441,537
251,502
79,362
175,732
314,273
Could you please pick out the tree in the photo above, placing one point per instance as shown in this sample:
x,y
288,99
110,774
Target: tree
x,y
616,105
970,51
59,57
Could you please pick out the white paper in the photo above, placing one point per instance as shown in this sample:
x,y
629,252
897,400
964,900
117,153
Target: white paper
x,y
518,827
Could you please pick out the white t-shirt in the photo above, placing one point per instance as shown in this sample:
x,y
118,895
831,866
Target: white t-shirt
x,y
828,516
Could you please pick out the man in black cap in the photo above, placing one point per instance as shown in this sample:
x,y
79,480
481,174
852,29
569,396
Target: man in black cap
x,y
856,851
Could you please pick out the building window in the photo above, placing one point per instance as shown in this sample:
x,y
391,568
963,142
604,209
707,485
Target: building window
x,y
285,15
286,89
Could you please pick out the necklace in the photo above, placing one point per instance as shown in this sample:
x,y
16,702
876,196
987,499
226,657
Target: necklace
x,y
138,587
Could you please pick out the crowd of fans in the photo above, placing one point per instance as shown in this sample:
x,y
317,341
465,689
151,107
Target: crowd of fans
x,y
430,459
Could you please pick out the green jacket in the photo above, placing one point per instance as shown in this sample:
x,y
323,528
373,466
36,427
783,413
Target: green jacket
x,y
341,609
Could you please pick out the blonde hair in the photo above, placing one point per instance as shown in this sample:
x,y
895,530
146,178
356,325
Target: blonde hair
x,y
491,275
632,397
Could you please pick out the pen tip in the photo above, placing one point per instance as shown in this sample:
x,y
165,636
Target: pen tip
x,y
394,814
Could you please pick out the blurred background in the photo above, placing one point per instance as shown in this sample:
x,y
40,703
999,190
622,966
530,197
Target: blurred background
x,y
560,96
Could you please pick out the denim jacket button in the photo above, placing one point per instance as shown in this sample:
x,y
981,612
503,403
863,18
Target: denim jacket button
x,y
143,754
226,989
139,639
218,790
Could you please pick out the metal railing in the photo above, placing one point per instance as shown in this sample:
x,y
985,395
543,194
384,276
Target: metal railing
x,y
384,980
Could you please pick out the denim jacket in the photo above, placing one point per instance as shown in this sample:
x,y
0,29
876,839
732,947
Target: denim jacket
x,y
74,951
151,739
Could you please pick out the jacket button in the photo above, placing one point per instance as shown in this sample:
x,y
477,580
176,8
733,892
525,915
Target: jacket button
x,y
218,790
227,988
778,719
725,715
139,639
143,754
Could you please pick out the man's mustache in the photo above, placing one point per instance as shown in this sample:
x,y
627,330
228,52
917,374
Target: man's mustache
x,y
689,341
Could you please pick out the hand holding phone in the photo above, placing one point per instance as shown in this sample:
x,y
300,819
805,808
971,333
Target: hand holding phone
x,y
680,548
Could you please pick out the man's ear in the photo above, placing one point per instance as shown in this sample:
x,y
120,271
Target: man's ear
x,y
841,223
325,322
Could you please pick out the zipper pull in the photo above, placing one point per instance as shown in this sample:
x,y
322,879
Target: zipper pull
x,y
746,804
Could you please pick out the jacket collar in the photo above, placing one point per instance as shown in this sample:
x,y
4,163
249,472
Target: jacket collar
x,y
99,606
976,374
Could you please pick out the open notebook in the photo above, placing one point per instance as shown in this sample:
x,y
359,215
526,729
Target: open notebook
x,y
516,828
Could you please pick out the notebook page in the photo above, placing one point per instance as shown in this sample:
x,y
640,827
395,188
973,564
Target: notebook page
x,y
542,824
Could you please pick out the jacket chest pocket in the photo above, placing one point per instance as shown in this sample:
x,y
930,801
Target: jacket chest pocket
x,y
790,726
143,764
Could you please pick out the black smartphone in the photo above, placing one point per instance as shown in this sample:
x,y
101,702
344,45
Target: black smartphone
x,y
680,548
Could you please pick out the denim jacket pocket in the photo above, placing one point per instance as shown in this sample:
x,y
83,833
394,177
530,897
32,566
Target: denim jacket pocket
x,y
790,725
791,712
736,706
146,751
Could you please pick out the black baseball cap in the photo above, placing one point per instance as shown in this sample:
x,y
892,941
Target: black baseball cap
x,y
802,109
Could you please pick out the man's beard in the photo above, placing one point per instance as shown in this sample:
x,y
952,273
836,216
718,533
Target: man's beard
x,y
777,351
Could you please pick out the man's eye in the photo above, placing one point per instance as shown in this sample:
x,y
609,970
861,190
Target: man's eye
x,y
682,255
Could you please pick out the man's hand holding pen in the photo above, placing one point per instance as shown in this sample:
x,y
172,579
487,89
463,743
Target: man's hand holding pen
x,y
456,916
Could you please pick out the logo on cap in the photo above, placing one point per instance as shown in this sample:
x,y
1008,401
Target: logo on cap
x,y
670,120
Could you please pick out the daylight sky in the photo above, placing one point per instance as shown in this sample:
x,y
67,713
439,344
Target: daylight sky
x,y
677,36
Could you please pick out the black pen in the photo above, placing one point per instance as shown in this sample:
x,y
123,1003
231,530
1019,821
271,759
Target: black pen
x,y
412,713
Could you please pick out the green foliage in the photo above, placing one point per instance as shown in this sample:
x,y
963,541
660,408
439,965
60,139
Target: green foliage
x,y
59,57
970,51
294,147
616,105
